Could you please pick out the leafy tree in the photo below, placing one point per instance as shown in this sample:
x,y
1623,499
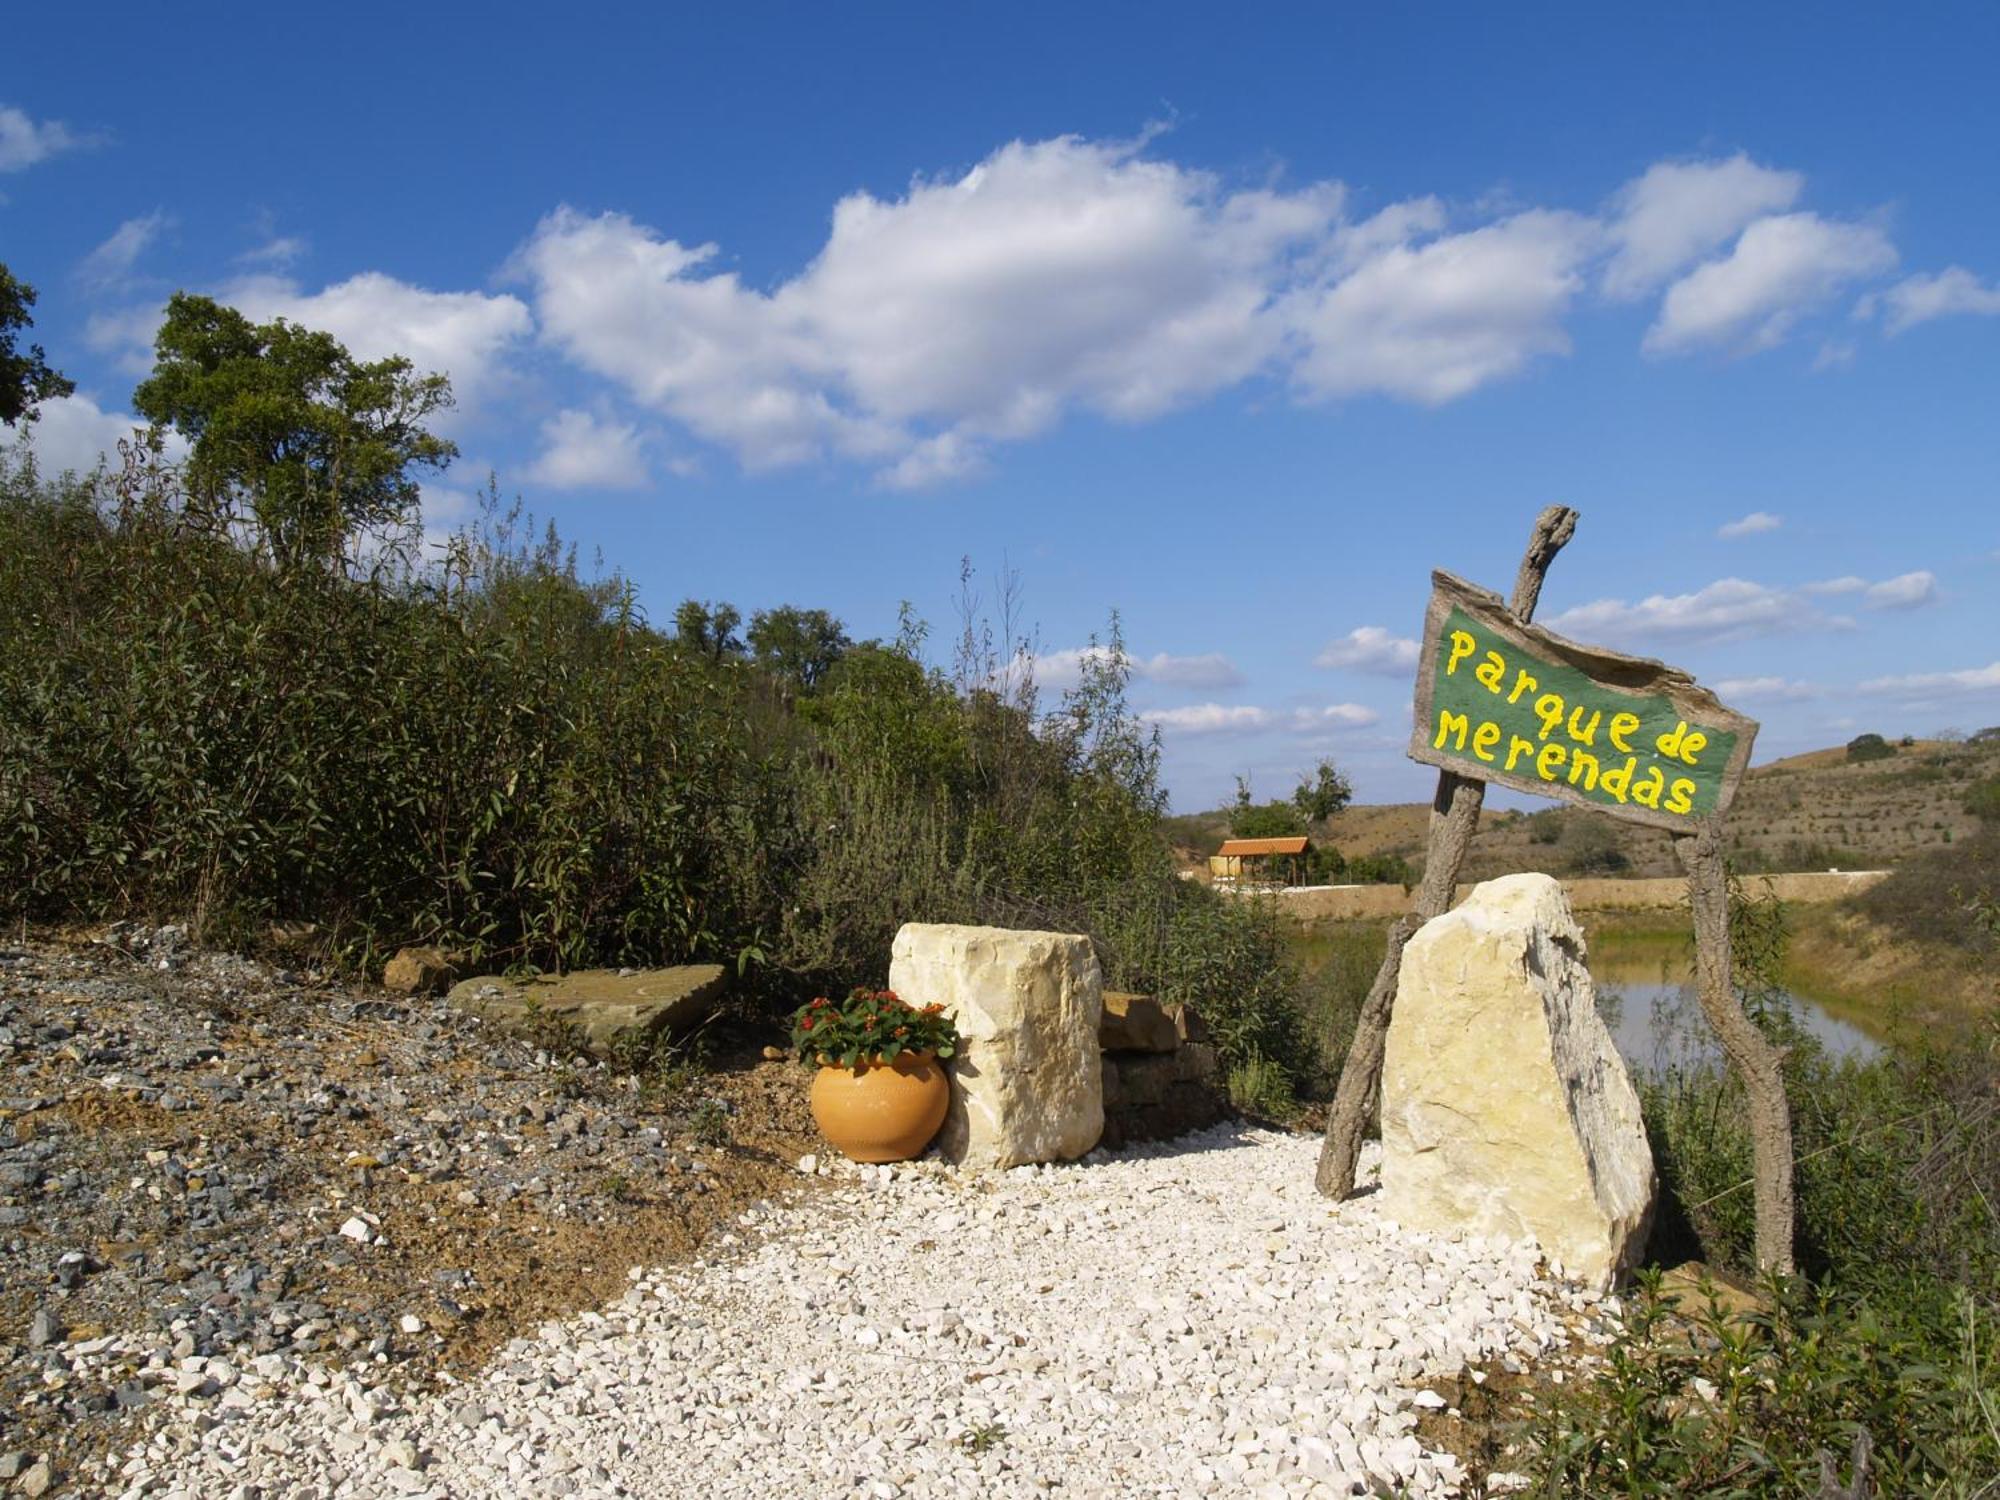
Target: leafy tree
x,y
708,629
1322,794
799,646
25,377
1867,747
285,424
1263,820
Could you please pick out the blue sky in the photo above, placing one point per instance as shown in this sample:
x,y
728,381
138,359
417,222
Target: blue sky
x,y
1237,326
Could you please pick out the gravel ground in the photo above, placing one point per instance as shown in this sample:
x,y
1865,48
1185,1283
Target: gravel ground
x,y
1171,1320
218,1165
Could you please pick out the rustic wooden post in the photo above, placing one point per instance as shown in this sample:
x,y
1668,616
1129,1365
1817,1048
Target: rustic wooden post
x,y
1454,819
1757,1063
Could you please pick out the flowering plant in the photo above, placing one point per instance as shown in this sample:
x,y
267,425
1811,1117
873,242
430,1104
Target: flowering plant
x,y
869,1026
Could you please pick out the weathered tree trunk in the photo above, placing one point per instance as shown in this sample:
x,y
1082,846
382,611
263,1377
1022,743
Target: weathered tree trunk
x,y
1757,1063
1454,819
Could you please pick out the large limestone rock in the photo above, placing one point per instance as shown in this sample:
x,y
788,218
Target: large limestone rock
x,y
1505,1107
613,1011
1027,1084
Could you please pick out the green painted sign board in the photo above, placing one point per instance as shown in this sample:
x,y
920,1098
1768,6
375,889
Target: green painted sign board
x,y
1520,706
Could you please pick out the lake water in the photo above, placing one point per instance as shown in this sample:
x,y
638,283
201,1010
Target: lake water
x,y
1645,994
1648,1002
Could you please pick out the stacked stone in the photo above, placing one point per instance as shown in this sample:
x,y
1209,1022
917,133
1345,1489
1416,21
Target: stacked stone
x,y
1162,1075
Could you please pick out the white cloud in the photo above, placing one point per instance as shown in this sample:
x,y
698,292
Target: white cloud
x,y
23,143
1222,718
111,264
582,452
1926,684
1209,672
1951,292
1055,274
1678,212
1909,591
1834,354
1780,268
73,432
1369,648
126,335
279,250
1431,322
1732,609
1750,525
461,334
1765,689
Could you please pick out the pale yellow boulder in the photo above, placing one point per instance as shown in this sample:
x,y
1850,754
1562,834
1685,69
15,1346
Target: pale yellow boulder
x,y
1505,1107
1027,1083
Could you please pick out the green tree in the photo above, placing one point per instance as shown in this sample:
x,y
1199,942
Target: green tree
x,y
25,377
708,629
799,646
1323,793
286,426
1263,820
1866,747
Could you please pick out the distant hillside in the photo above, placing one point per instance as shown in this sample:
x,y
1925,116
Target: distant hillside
x,y
1806,812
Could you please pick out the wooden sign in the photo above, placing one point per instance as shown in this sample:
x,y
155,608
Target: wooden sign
x,y
1515,704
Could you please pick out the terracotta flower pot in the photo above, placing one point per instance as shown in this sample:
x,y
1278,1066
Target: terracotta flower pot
x,y
882,1111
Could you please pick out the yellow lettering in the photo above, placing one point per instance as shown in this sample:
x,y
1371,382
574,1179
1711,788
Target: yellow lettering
x,y
1669,744
1693,745
1583,767
1588,734
1619,782
1492,672
1621,726
1680,796
1461,647
1448,721
1550,761
1647,792
1484,738
1549,709
1523,683
1516,748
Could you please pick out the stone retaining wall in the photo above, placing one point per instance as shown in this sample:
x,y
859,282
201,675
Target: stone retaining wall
x,y
1343,903
1162,1076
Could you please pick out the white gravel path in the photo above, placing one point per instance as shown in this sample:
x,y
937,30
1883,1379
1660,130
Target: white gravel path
x,y
1181,1320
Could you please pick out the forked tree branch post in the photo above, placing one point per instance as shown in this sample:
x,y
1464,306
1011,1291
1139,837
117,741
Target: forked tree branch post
x,y
1756,1062
1454,819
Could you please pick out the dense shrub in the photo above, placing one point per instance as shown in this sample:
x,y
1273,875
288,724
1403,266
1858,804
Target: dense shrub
x,y
1891,1330
499,755
1935,896
1867,747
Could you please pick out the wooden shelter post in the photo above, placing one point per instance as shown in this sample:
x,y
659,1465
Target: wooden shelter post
x,y
1454,819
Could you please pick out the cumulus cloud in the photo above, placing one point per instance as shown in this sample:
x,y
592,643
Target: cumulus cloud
x,y
1908,591
1052,277
111,264
1432,321
464,335
1952,292
1733,609
1765,689
1209,672
581,451
1750,525
72,433
1223,718
1369,648
1930,684
23,142
1780,268
1677,212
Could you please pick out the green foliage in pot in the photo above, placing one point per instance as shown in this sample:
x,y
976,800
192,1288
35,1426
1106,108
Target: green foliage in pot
x,y
870,1026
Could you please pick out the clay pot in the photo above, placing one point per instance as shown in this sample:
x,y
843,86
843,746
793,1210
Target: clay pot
x,y
882,1111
